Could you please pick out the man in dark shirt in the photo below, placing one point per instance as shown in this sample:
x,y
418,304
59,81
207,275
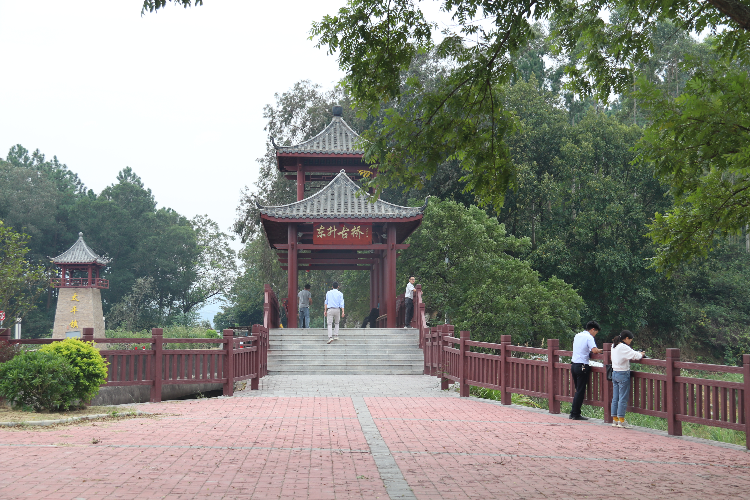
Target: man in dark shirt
x,y
305,301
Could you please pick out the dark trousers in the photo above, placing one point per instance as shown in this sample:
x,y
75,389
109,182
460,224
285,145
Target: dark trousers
x,y
580,373
409,303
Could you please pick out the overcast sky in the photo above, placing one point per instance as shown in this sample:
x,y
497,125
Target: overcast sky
x,y
176,95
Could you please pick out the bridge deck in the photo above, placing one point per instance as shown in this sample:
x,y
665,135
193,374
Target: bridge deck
x,y
360,437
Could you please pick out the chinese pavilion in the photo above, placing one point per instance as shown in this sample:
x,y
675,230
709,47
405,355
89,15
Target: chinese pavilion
x,y
340,226
79,300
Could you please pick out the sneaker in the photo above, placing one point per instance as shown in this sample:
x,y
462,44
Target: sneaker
x,y
615,422
336,337
578,417
329,340
623,424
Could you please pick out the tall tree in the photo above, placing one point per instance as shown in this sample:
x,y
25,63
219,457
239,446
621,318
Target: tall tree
x,y
22,281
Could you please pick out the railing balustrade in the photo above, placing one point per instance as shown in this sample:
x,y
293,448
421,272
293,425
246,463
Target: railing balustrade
x,y
539,373
238,358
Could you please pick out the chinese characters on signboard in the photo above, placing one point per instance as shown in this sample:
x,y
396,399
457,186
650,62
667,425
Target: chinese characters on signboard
x,y
74,322
339,233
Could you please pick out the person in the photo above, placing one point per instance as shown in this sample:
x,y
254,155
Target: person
x,y
372,318
333,310
305,301
622,353
409,301
583,346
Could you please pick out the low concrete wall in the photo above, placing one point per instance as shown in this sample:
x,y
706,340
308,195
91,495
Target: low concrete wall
x,y
142,393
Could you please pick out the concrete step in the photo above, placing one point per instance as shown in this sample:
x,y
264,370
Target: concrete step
x,y
368,351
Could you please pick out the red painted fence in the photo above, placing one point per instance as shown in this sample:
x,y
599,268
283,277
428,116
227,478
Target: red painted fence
x,y
239,358
539,373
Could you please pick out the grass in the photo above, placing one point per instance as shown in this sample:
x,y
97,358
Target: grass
x,y
20,415
170,332
688,429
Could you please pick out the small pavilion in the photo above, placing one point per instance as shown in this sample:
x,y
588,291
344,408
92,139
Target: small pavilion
x,y
340,226
79,300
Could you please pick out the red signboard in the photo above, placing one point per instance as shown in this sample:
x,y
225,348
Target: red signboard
x,y
339,233
2,315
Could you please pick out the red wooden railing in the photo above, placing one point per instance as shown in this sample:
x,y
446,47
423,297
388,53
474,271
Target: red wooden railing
x,y
538,372
271,311
79,283
239,358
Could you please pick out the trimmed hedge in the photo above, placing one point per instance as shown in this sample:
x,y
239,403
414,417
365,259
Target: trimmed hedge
x,y
90,368
41,380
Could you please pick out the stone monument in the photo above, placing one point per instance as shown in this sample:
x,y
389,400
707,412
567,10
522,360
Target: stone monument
x,y
79,300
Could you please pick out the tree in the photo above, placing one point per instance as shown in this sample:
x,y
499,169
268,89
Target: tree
x,y
22,281
469,270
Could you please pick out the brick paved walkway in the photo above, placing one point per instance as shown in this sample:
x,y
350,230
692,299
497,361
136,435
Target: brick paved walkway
x,y
359,437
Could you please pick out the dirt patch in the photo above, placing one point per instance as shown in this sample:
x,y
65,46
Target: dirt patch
x,y
11,415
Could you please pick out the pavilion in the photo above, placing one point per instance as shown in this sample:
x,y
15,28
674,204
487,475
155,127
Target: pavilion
x,y
341,226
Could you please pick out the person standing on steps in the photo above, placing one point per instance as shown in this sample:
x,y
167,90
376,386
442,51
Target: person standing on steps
x,y
584,346
305,301
622,353
333,310
409,301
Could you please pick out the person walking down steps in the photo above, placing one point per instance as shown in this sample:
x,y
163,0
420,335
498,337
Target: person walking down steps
x,y
333,310
622,353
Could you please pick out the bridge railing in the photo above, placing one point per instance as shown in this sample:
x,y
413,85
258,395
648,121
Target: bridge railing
x,y
538,372
234,359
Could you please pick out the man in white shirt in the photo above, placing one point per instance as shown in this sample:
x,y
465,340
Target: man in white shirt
x,y
409,301
333,310
584,346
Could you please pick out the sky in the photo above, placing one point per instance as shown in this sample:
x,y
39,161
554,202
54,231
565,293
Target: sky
x,y
176,95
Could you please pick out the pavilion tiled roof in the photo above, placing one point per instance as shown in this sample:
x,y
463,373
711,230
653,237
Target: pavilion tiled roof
x,y
337,138
80,253
339,200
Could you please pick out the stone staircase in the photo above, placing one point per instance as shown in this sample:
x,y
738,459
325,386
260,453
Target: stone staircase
x,y
359,351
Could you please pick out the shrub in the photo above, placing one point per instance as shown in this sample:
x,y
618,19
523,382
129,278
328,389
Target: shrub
x,y
90,368
8,351
42,380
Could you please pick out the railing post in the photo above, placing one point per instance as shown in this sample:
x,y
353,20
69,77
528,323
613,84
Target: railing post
x,y
156,371
463,368
87,334
674,427
426,352
4,334
229,362
552,346
444,382
504,370
258,355
607,384
746,396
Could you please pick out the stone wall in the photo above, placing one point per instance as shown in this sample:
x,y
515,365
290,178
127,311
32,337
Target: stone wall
x,y
78,308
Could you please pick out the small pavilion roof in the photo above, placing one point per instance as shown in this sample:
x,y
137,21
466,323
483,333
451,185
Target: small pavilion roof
x,y
337,138
80,253
339,200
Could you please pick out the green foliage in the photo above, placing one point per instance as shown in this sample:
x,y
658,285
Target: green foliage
x,y
466,265
21,282
45,381
699,143
89,367
170,332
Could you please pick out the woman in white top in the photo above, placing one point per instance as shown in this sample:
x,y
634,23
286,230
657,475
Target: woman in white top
x,y
621,356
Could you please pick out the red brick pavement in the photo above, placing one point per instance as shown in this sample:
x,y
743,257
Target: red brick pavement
x,y
287,447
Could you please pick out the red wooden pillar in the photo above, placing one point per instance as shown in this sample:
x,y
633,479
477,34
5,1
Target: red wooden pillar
x,y
4,334
463,366
229,362
373,284
157,337
390,277
87,334
89,283
381,284
552,383
504,370
444,382
674,426
300,182
607,384
292,273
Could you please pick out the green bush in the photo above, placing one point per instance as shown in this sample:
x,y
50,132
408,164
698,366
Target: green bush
x,y
90,368
41,380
